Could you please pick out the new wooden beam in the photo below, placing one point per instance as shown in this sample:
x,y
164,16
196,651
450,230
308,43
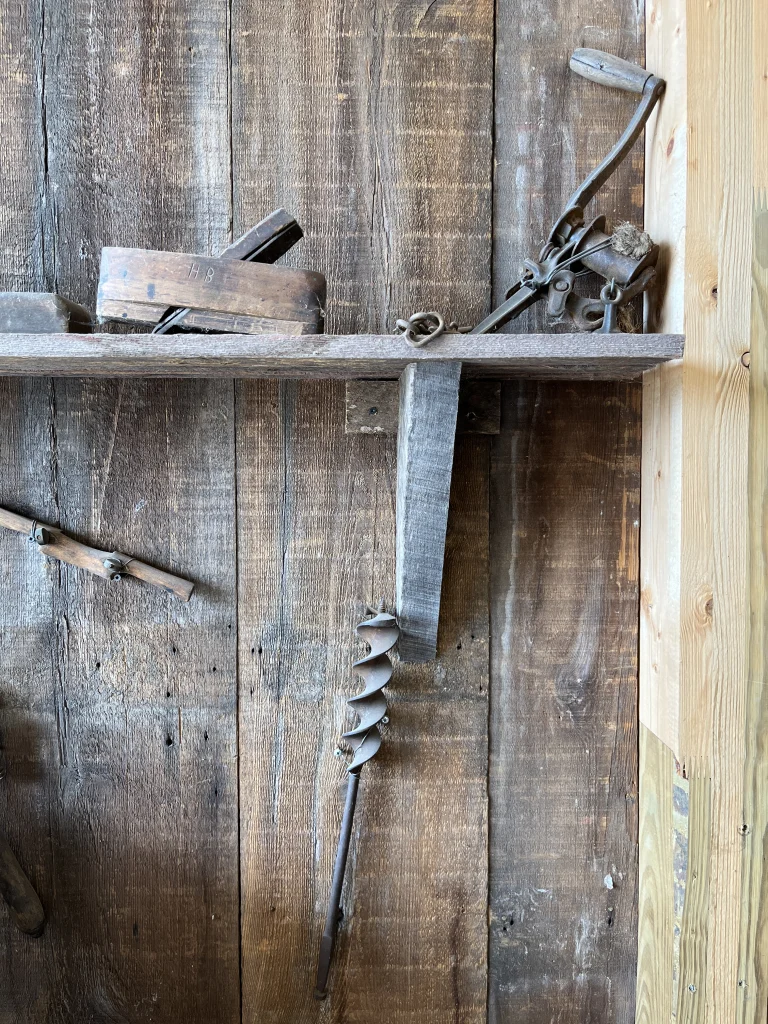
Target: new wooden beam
x,y
429,401
704,911
753,931
537,356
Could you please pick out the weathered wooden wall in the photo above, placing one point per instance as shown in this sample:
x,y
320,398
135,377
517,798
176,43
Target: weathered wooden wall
x,y
564,542
172,787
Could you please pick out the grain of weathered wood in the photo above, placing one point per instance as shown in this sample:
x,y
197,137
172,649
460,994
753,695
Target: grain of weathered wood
x,y
563,733
386,115
537,356
373,407
412,943
378,142
139,284
121,796
19,895
421,890
555,807
429,402
41,313
25,212
118,705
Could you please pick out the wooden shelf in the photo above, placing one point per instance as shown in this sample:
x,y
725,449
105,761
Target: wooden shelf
x,y
537,356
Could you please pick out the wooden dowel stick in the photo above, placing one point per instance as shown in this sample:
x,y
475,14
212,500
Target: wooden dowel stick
x,y
71,551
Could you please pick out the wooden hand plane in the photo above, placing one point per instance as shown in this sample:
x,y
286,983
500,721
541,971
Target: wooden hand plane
x,y
235,292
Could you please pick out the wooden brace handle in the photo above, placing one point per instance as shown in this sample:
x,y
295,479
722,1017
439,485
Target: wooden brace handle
x,y
108,564
605,69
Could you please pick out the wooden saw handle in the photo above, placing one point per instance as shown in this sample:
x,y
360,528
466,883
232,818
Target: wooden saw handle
x,y
605,69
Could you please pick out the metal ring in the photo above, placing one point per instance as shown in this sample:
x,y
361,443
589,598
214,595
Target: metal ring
x,y
611,294
416,330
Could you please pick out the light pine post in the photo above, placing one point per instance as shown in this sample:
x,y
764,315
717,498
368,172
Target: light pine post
x,y
703,899
429,400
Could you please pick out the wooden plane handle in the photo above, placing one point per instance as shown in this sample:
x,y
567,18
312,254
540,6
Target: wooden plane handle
x,y
107,564
267,241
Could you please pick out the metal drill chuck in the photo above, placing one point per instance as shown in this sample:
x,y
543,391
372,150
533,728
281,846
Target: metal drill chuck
x,y
381,634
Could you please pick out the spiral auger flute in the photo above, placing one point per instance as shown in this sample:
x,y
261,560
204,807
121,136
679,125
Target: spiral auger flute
x,y
381,634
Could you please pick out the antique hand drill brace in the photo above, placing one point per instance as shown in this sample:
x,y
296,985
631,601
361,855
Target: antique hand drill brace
x,y
576,246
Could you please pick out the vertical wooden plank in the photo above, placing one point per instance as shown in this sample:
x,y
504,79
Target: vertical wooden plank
x,y
412,944
24,206
665,878
660,539
721,684
714,565
753,939
137,131
656,931
122,719
661,896
563,731
29,691
429,401
120,727
553,127
372,124
666,159
565,529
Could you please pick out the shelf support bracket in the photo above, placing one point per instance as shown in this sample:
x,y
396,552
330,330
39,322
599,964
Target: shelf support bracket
x,y
429,400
